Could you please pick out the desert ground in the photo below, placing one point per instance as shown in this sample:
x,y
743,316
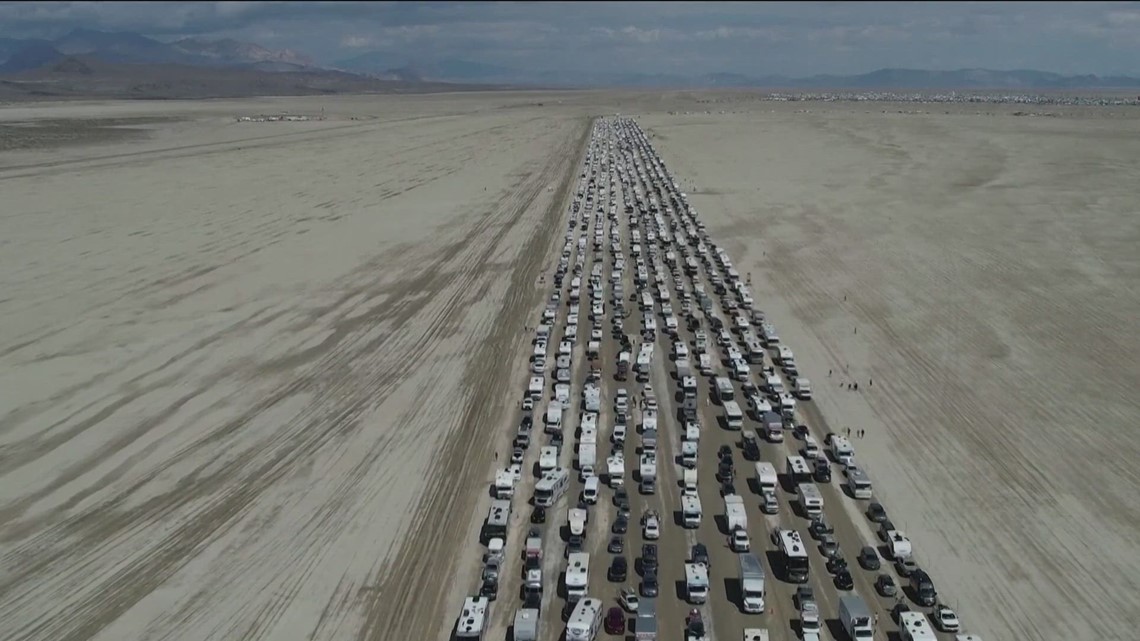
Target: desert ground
x,y
254,376
978,277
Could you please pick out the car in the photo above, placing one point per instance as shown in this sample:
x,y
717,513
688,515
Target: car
x,y
869,558
615,621
621,498
699,554
820,527
769,504
804,594
517,455
574,544
649,584
621,524
843,580
617,544
527,404
619,569
647,486
945,618
836,564
876,512
885,526
629,599
649,556
538,365
727,488
538,515
725,452
516,471
651,530
532,599
906,566
725,471
828,546
886,585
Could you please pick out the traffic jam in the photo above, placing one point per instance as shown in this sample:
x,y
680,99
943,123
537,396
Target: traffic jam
x,y
668,476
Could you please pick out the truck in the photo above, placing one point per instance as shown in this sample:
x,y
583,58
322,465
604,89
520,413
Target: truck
x,y
553,423
504,484
803,388
734,512
751,584
696,582
577,518
899,545
855,617
645,626
526,624
689,483
773,426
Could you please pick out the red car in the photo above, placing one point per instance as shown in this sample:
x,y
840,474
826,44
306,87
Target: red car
x,y
615,621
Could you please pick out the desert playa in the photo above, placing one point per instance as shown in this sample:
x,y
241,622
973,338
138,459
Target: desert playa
x,y
977,275
255,376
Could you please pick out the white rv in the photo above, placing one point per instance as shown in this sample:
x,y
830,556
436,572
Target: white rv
x,y
551,487
689,483
691,511
577,517
766,477
577,575
689,454
733,417
696,582
504,484
841,449
472,619
803,388
724,390
811,500
585,620
553,422
547,458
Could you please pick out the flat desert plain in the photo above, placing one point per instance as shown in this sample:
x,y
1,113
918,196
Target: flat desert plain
x,y
250,373
979,277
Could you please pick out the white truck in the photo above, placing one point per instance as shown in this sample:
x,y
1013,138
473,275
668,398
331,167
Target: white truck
x,y
696,582
547,458
752,587
691,511
855,617
899,545
648,467
734,512
689,483
803,388
553,423
593,398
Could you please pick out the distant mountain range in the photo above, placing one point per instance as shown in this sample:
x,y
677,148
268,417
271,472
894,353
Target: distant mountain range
x,y
452,70
98,52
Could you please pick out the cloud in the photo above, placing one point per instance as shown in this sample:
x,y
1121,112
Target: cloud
x,y
795,38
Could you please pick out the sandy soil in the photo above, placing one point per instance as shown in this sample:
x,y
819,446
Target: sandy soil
x,y
237,358
982,272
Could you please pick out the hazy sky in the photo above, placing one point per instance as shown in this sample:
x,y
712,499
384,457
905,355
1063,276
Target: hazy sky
x,y
674,37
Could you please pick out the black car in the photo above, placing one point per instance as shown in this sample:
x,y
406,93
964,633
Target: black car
x,y
822,471
619,569
647,486
900,607
725,471
574,544
886,585
532,599
699,554
869,558
621,498
725,452
751,450
526,423
876,512
819,527
885,526
649,584
800,431
843,580
727,488
538,515
617,544
836,564
804,594
621,524
649,556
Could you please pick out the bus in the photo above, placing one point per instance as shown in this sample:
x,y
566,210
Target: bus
x,y
795,556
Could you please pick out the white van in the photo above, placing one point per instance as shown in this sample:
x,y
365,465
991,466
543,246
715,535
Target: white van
x,y
590,490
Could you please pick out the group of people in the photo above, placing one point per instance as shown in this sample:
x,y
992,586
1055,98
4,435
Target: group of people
x,y
858,433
